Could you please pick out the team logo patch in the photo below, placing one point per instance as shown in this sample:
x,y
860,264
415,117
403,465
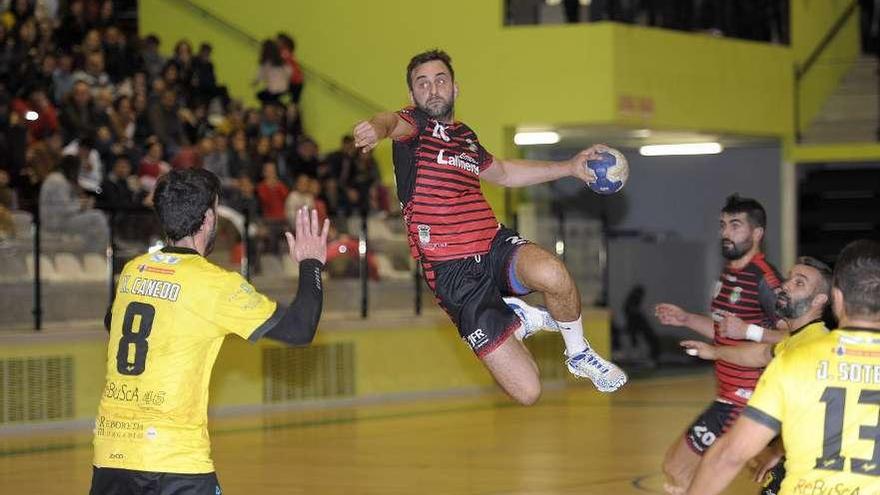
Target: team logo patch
x,y
735,295
477,339
440,132
164,258
155,269
424,233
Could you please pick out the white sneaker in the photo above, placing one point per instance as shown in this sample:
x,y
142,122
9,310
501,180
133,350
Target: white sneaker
x,y
605,375
535,318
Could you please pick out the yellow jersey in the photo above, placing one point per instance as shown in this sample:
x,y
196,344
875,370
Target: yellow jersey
x,y
824,397
171,312
804,334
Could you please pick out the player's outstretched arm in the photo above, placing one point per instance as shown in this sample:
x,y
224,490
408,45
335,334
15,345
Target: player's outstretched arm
x,y
670,314
520,173
309,249
368,133
735,328
728,456
750,355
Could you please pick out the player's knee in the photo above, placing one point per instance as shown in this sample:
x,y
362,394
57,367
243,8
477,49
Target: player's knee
x,y
528,395
553,276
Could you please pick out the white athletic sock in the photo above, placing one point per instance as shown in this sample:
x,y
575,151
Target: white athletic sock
x,y
573,334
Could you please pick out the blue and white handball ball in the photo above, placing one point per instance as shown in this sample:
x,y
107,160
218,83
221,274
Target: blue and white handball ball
x,y
612,171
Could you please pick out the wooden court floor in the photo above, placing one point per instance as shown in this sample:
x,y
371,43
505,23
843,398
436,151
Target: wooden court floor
x,y
571,442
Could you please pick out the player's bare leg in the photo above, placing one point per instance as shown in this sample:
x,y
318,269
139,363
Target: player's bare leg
x,y
679,466
541,271
515,370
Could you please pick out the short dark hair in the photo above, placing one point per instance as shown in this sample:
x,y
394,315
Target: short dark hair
x,y
182,198
425,57
751,207
857,275
824,272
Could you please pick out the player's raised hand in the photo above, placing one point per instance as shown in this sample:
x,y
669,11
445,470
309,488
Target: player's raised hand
x,y
670,314
732,327
311,237
700,349
365,136
578,163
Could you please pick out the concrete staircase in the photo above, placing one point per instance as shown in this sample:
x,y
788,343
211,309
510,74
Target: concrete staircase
x,y
851,113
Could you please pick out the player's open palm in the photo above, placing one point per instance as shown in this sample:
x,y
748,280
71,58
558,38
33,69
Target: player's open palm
x,y
670,314
310,240
365,136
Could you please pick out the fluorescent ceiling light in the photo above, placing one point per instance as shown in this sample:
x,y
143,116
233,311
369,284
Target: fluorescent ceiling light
x,y
681,149
529,138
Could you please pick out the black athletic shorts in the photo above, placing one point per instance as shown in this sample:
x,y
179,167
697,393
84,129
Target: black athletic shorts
x,y
711,424
774,481
112,481
470,291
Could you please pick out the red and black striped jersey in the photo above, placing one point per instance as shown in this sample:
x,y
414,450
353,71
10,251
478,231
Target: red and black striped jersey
x,y
437,169
750,294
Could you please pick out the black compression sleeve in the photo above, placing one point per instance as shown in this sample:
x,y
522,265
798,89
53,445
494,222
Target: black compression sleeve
x,y
300,320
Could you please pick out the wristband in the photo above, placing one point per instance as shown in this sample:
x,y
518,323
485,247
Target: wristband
x,y
754,333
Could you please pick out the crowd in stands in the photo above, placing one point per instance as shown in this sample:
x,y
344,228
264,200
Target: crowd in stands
x,y
91,115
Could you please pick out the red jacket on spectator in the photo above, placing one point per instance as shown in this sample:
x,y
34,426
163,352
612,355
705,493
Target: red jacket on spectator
x,y
46,123
272,198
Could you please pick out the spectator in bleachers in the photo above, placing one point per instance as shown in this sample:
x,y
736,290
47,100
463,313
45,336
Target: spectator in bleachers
x,y
320,204
91,43
287,48
106,15
43,122
204,80
120,189
90,169
124,122
278,143
183,60
272,193
273,73
217,161
117,57
239,156
64,210
300,196
165,121
73,26
78,116
62,78
93,72
341,161
243,198
152,165
154,62
262,153
304,160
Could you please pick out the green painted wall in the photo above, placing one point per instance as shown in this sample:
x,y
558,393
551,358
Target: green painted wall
x,y
810,21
